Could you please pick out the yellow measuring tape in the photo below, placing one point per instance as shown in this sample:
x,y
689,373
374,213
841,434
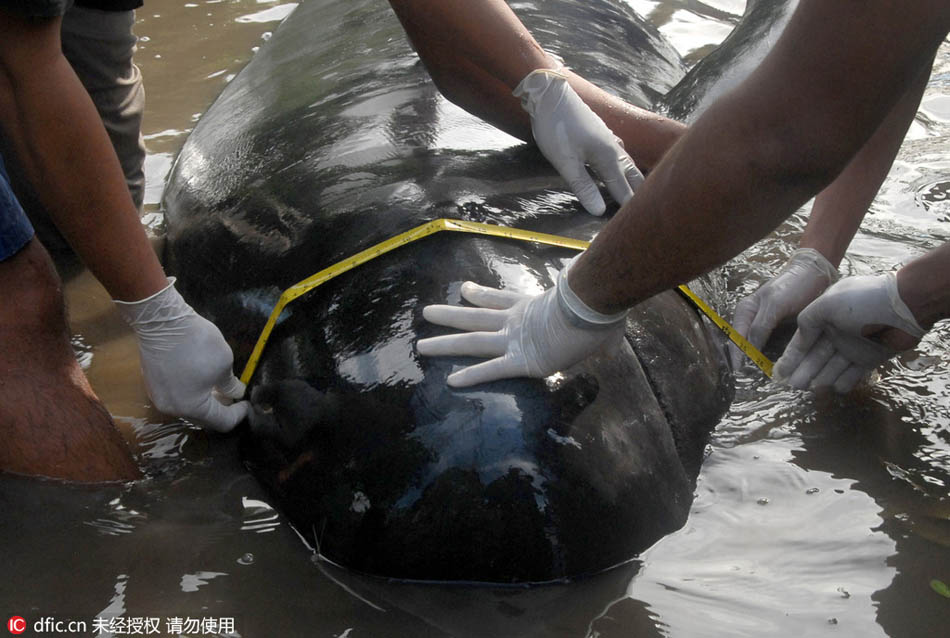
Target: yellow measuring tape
x,y
457,225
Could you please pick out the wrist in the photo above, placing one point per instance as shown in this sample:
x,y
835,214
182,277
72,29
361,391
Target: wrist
x,y
159,307
533,86
906,320
925,296
827,240
815,261
133,282
577,309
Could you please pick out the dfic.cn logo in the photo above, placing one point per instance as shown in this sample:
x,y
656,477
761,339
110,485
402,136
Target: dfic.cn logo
x,y
16,625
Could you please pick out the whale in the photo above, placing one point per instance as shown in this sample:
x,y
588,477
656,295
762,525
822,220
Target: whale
x,y
333,139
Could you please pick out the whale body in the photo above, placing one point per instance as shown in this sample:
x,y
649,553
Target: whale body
x,y
334,138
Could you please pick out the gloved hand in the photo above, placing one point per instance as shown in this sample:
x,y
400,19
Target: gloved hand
x,y
831,346
571,135
803,277
185,360
530,336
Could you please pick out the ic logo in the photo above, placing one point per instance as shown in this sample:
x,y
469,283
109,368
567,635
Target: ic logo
x,y
16,625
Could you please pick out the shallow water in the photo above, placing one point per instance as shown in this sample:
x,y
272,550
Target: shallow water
x,y
814,514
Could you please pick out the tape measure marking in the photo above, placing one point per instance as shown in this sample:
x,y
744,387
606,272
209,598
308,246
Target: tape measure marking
x,y
458,225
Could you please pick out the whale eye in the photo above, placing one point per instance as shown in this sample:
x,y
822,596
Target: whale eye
x,y
265,408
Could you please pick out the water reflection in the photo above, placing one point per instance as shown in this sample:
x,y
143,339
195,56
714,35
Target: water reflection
x,y
748,563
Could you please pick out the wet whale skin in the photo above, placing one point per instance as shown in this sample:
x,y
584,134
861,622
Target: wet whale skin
x,y
334,138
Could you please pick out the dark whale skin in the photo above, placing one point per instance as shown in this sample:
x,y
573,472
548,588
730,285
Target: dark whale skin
x,y
334,138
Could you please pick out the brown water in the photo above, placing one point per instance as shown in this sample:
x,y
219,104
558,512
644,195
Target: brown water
x,y
814,515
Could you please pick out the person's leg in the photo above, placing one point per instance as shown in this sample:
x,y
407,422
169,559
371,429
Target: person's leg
x,y
99,46
51,422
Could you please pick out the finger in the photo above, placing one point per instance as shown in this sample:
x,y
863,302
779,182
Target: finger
x,y
213,415
500,368
631,173
462,318
849,378
613,172
744,314
836,365
761,328
470,344
232,387
486,297
584,188
736,357
634,176
799,346
812,364
741,320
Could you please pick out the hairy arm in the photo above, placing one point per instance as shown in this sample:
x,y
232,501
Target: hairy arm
x,y
840,208
760,152
924,287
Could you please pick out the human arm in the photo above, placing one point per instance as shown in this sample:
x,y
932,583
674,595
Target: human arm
x,y
835,217
64,152
479,52
761,151
925,288
861,322
839,209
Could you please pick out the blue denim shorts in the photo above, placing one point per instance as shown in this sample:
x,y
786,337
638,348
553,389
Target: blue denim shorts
x,y
15,229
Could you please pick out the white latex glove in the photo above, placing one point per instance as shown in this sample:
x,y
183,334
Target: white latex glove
x,y
525,335
803,277
185,361
571,135
829,350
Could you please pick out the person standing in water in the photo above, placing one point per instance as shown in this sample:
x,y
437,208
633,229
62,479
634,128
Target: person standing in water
x,y
53,423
